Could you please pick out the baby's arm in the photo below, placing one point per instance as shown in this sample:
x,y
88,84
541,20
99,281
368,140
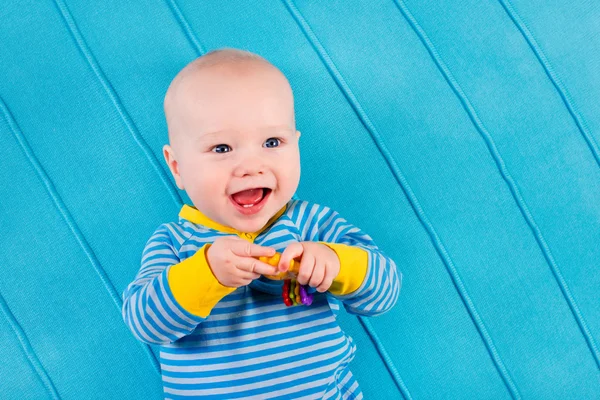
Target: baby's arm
x,y
168,298
368,283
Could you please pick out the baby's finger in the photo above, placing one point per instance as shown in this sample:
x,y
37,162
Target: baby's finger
x,y
247,274
247,249
327,280
253,265
292,251
317,275
307,265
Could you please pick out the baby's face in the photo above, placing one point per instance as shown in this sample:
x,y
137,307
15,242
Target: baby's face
x,y
235,131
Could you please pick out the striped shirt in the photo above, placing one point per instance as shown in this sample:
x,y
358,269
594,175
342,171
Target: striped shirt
x,y
251,345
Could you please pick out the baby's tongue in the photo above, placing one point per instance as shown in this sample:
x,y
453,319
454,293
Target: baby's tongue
x,y
250,196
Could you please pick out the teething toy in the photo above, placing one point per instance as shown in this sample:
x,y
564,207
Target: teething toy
x,y
293,293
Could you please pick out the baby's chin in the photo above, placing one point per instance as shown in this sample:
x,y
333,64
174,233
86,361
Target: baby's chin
x,y
250,225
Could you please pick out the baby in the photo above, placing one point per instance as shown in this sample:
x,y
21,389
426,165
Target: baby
x,y
223,328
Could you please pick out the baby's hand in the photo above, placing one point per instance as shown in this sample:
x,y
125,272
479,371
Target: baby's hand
x,y
319,265
232,261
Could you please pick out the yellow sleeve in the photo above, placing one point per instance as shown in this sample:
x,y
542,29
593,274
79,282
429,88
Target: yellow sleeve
x,y
194,285
353,268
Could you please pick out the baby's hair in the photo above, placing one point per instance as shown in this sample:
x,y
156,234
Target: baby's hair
x,y
224,55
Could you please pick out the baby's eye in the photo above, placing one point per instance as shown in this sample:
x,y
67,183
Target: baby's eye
x,y
220,146
273,139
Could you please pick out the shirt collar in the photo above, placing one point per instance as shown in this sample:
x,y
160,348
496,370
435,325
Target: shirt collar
x,y
196,216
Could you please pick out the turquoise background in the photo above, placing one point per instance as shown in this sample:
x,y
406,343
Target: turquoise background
x,y
461,135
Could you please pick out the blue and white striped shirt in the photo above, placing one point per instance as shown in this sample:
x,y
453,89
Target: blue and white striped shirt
x,y
252,345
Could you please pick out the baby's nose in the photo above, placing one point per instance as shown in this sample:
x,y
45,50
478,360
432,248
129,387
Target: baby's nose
x,y
250,168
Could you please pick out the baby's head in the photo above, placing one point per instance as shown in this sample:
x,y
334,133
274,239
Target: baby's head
x,y
231,124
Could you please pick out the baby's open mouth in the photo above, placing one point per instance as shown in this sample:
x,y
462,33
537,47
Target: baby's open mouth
x,y
251,199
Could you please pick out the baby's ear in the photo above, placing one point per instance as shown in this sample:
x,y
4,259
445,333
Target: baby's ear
x,y
173,166
298,132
